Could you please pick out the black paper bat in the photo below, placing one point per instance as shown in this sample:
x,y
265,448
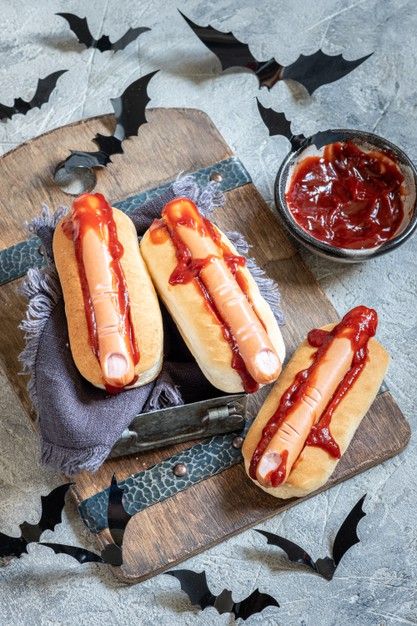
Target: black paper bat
x,y
346,538
12,546
311,71
79,27
129,109
42,94
118,519
195,586
51,515
278,124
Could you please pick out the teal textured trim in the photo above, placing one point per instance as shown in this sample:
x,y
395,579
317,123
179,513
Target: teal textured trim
x,y
159,482
16,260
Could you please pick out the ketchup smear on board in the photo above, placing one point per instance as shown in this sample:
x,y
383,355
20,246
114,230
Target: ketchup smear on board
x,y
358,325
347,198
92,211
188,270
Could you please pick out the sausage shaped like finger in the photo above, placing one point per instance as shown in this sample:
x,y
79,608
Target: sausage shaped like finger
x,y
288,442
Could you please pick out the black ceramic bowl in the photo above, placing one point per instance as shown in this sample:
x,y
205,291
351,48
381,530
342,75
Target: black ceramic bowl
x,y
366,141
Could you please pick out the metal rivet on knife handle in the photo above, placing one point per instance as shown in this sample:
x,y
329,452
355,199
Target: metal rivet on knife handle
x,y
237,442
180,469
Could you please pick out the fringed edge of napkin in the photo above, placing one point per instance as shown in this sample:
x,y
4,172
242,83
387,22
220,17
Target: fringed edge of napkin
x,y
70,461
42,289
46,221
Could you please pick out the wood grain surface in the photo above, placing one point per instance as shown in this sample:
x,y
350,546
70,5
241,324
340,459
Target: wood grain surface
x,y
178,140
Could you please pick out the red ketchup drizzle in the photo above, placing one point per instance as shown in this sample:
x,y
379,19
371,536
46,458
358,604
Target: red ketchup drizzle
x,y
188,270
358,325
347,198
91,211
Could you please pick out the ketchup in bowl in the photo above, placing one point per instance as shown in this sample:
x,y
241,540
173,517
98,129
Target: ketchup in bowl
x,y
347,197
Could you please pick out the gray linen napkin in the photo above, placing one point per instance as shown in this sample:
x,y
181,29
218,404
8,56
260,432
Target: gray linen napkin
x,y
79,423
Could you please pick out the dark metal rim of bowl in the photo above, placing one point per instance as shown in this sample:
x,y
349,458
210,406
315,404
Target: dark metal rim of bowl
x,y
342,254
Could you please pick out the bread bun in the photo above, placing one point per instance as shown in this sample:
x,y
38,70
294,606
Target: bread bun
x,y
195,320
144,307
314,466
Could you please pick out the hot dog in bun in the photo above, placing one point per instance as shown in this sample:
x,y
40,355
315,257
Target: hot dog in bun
x,y
113,315
213,299
313,411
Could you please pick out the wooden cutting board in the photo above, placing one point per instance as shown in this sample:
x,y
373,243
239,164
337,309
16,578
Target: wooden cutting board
x,y
179,140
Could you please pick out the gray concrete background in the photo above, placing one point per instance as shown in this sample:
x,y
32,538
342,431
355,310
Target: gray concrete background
x,y
376,582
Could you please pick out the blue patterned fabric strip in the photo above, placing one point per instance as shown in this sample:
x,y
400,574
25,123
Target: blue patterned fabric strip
x,y
159,482
16,260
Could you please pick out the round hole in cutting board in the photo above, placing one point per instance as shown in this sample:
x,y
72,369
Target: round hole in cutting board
x,y
76,180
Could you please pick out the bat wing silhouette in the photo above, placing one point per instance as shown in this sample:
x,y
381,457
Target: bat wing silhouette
x,y
234,53
41,96
195,585
52,506
277,124
311,71
129,36
347,534
80,28
255,603
51,515
230,51
79,554
117,516
319,68
12,546
79,158
129,109
293,551
118,519
346,538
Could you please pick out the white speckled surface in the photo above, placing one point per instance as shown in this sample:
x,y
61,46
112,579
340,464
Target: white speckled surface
x,y
376,582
